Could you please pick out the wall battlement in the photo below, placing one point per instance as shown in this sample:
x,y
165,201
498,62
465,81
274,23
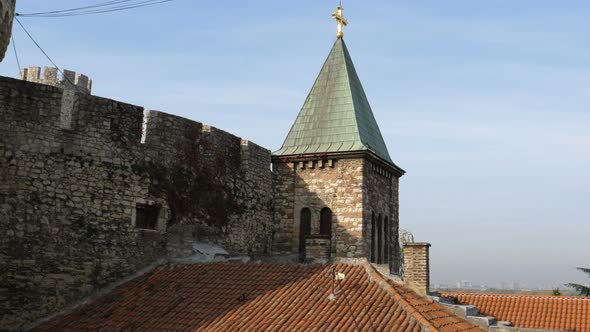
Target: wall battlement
x,y
69,81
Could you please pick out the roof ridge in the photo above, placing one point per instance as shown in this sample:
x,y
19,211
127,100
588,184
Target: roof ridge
x,y
410,309
356,123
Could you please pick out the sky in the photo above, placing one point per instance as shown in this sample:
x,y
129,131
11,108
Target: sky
x,y
483,103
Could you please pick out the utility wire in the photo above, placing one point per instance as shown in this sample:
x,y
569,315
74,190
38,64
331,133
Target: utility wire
x,y
367,312
354,318
107,9
108,3
15,53
47,56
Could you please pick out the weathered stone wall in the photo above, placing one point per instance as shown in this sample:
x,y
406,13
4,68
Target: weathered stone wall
x,y
381,199
68,196
308,184
6,16
317,249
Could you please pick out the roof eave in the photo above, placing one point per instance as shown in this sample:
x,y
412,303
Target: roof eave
x,y
343,154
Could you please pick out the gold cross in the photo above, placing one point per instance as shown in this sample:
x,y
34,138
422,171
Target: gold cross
x,y
342,22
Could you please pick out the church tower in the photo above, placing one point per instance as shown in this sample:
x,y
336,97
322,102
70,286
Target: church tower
x,y
336,184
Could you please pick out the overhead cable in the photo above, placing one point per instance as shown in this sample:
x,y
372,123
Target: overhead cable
x,y
15,53
96,9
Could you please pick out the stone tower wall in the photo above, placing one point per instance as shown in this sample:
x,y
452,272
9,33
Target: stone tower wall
x,y
7,8
353,189
381,198
69,194
304,184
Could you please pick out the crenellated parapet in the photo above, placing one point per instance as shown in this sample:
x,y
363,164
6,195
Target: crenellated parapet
x,y
50,76
6,16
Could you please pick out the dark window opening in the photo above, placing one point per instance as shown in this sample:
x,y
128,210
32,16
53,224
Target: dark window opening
x,y
304,230
146,216
386,236
373,235
326,222
380,240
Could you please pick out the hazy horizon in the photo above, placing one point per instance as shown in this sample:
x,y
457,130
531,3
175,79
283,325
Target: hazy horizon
x,y
485,105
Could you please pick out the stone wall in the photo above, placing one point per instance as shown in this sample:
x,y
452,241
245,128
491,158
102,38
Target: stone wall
x,y
50,76
354,189
315,184
69,197
317,249
417,266
6,16
381,200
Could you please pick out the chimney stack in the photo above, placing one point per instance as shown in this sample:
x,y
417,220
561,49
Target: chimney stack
x,y
417,267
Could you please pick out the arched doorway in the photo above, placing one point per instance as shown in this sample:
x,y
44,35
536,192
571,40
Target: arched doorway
x,y
304,230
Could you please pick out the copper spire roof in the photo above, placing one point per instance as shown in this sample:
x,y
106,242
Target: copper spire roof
x,y
336,116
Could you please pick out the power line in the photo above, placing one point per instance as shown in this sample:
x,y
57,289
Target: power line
x,y
354,318
47,56
106,9
103,4
15,53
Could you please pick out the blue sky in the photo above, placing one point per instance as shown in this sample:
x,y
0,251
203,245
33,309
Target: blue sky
x,y
484,103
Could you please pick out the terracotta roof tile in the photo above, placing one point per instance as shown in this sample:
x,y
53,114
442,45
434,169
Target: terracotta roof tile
x,y
259,297
569,313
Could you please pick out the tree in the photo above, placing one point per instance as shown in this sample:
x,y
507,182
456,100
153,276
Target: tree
x,y
583,290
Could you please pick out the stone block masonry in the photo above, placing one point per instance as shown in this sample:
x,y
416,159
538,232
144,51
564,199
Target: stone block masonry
x,y
85,205
69,81
417,266
315,185
360,192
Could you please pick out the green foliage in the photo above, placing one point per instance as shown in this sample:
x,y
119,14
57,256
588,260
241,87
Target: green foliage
x,y
583,290
556,292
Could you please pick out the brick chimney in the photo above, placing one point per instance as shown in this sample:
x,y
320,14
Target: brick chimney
x,y
417,267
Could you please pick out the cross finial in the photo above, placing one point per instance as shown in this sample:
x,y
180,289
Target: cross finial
x,y
342,22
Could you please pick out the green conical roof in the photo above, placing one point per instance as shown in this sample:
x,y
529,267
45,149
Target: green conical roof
x,y
336,116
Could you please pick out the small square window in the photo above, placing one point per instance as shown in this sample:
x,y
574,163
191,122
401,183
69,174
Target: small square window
x,y
146,216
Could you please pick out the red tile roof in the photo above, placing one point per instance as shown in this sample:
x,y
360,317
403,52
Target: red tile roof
x,y
257,297
568,313
436,314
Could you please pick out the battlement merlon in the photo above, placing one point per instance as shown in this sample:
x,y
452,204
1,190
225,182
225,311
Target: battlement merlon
x,y
70,80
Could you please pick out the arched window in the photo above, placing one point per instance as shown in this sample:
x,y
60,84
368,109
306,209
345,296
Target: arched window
x,y
326,222
304,230
386,240
380,240
373,236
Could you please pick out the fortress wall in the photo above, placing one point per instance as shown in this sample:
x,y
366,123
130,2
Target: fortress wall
x,y
255,226
69,193
219,187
